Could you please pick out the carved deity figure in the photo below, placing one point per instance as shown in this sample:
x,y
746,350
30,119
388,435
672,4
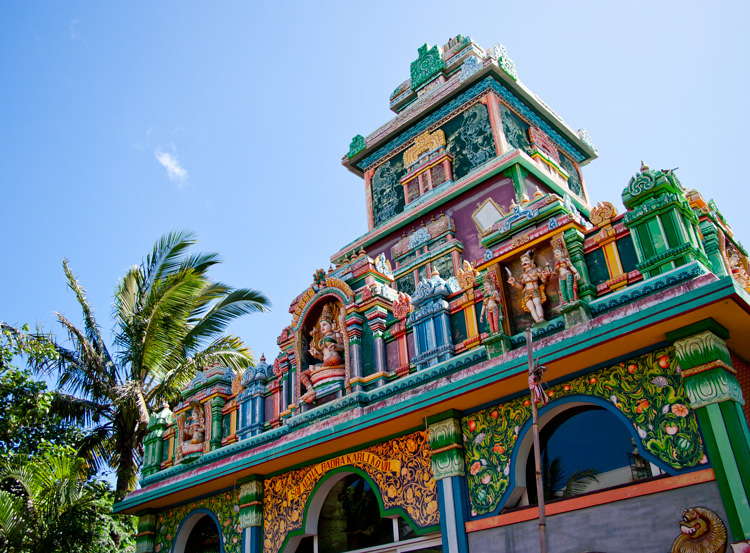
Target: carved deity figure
x,y
532,284
196,426
567,276
738,270
491,303
326,345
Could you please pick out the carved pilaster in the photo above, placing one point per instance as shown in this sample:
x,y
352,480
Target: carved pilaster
x,y
574,244
217,404
447,448
711,245
251,502
716,396
145,539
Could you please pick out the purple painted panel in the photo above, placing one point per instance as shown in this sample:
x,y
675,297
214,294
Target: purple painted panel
x,y
499,188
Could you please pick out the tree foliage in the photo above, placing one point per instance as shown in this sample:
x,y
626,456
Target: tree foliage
x,y
170,320
47,504
27,419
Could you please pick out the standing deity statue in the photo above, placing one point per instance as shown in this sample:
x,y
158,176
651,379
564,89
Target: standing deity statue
x,y
532,284
196,426
567,276
491,302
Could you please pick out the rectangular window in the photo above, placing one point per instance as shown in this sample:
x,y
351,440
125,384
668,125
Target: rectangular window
x,y
437,175
412,190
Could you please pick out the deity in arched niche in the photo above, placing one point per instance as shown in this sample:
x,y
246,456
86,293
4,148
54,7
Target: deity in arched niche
x,y
327,346
532,284
194,432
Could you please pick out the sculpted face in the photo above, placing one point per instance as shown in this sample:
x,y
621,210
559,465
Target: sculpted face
x,y
325,327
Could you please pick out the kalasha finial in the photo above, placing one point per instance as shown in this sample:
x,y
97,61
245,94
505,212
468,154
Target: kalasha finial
x,y
644,167
262,357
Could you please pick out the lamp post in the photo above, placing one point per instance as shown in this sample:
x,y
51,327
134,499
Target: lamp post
x,y
535,388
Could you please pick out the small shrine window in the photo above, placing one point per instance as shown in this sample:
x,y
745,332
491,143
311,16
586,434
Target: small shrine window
x,y
412,190
437,175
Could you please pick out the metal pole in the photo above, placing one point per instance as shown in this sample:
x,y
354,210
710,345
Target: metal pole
x,y
537,448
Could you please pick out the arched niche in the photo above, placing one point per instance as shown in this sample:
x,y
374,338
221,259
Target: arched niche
x,y
190,529
322,350
552,418
347,505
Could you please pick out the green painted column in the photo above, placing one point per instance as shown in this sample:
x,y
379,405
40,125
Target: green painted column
x,y
711,245
145,540
217,404
448,469
574,243
251,513
716,397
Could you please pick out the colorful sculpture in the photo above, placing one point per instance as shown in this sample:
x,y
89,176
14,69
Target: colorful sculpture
x,y
326,345
195,431
567,276
532,284
491,302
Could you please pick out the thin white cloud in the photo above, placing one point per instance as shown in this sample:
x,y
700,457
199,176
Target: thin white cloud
x,y
73,33
175,171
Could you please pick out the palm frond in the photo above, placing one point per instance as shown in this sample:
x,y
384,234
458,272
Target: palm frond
x,y
91,327
234,304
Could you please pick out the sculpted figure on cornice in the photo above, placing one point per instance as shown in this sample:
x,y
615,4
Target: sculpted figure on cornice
x,y
532,283
567,274
491,302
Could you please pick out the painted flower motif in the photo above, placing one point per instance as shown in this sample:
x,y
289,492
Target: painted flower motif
x,y
665,409
660,381
236,508
642,433
680,410
613,399
516,428
486,478
476,466
506,470
480,438
671,429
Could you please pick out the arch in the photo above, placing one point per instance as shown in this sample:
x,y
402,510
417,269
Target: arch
x,y
186,528
335,288
524,444
320,493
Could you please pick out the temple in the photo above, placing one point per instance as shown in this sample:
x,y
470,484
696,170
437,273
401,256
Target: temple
x,y
397,413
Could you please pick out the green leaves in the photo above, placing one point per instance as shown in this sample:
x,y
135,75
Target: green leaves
x,y
169,322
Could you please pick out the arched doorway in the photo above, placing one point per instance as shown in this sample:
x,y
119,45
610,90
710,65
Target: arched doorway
x,y
345,516
199,533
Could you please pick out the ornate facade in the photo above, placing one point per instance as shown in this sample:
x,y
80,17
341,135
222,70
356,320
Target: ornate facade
x,y
396,415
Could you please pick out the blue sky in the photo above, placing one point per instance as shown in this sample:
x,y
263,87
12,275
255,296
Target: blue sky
x,y
122,121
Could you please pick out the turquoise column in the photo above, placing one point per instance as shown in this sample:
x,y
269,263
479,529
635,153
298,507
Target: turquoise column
x,y
448,469
251,514
716,397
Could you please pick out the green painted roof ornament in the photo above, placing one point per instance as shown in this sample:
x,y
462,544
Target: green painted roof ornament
x,y
357,145
648,183
429,63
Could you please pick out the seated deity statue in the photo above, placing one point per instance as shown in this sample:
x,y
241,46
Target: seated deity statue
x,y
327,346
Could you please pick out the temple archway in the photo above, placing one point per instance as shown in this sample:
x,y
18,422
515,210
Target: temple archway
x,y
345,515
199,533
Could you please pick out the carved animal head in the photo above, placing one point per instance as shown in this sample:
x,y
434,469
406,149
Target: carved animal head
x,y
702,531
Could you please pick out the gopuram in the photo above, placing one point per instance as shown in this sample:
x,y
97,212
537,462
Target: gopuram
x,y
396,415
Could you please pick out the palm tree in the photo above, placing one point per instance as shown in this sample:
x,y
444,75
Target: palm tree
x,y
169,323
46,504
